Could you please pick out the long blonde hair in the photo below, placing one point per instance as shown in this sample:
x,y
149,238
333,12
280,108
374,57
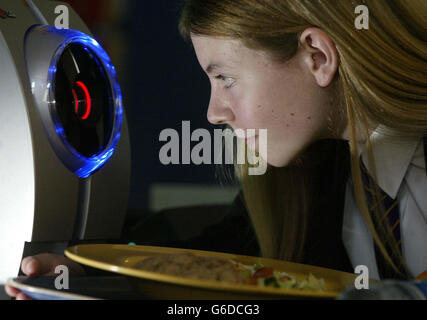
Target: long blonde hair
x,y
381,79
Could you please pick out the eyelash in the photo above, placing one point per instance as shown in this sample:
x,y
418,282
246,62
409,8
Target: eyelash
x,y
222,78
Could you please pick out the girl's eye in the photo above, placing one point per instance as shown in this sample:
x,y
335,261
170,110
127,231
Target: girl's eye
x,y
227,80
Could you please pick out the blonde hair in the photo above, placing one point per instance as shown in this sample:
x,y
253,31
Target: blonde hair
x,y
381,79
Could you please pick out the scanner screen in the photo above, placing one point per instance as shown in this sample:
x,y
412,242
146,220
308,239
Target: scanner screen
x,y
83,100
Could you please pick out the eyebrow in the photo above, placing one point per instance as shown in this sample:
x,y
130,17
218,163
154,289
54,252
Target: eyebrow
x,y
211,68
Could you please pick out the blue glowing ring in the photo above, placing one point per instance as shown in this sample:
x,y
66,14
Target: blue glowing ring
x,y
79,164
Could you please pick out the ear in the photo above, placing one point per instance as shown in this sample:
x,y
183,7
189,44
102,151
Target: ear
x,y
321,55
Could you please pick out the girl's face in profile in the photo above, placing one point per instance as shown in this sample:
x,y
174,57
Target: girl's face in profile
x,y
250,91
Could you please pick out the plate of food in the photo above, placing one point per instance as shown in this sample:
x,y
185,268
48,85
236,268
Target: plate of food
x,y
174,273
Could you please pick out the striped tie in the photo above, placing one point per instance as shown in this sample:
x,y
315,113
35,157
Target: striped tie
x,y
391,214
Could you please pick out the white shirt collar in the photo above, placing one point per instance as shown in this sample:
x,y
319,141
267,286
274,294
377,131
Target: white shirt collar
x,y
392,155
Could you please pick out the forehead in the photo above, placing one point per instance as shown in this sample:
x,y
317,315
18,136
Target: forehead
x,y
223,52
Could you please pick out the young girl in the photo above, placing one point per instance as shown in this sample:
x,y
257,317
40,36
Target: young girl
x,y
303,70
333,97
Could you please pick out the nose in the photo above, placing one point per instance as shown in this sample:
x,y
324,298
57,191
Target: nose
x,y
219,112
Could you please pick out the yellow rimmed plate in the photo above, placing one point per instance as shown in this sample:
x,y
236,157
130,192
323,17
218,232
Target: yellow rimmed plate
x,y
121,259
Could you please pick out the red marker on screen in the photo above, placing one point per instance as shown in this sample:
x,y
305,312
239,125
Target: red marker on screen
x,y
86,99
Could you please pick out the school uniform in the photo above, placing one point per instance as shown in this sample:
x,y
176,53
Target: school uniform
x,y
401,174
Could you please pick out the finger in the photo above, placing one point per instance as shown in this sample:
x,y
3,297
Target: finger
x,y
45,264
31,266
22,296
11,291
37,265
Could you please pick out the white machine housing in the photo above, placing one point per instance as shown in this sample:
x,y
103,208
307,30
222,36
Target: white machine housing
x,y
55,186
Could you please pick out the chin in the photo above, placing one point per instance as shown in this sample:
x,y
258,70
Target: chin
x,y
278,162
282,160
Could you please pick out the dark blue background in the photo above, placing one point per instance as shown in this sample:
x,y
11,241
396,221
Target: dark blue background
x,y
164,86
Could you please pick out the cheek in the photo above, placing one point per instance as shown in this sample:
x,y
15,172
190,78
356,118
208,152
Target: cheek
x,y
291,127
299,121
248,110
281,109
257,115
297,128
261,107
297,115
